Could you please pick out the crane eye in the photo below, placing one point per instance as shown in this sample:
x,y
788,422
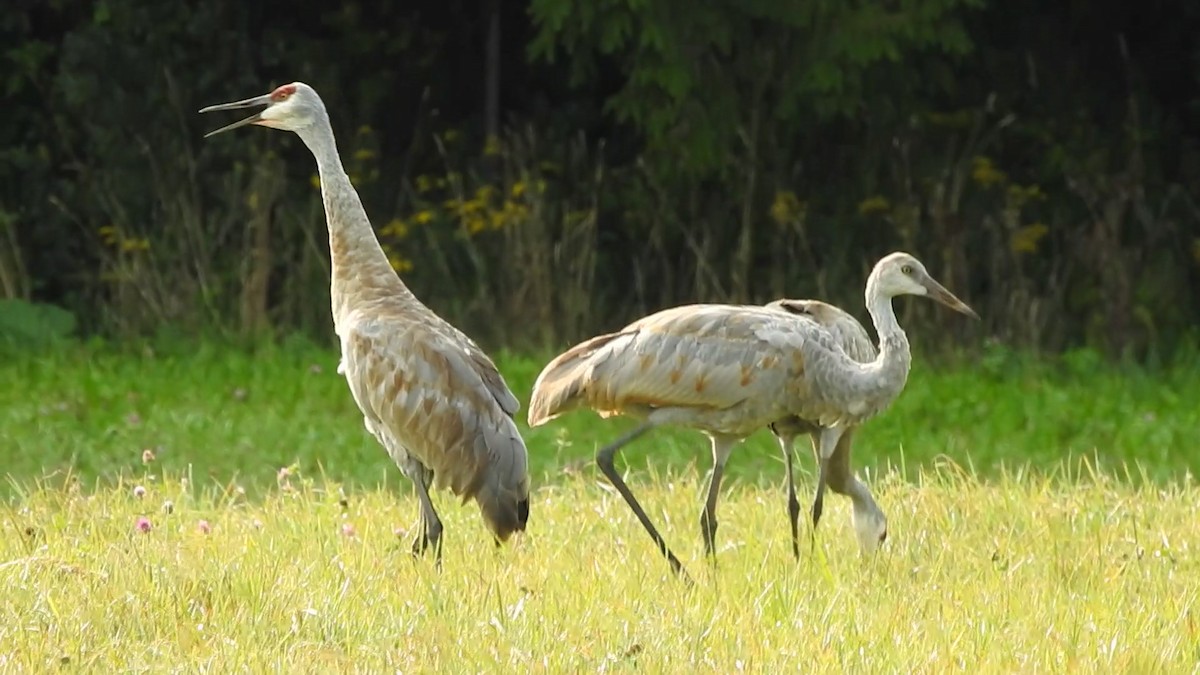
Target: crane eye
x,y
907,269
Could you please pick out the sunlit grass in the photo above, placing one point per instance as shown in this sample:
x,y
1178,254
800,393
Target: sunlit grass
x,y
1009,575
1067,542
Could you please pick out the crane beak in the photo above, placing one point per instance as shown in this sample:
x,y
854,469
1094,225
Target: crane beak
x,y
938,292
263,100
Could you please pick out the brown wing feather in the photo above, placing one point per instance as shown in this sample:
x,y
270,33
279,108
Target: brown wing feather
x,y
430,399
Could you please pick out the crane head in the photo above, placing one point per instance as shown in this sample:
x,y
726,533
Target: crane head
x,y
903,274
870,526
291,107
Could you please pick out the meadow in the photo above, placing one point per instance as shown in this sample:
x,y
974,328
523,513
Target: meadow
x,y
1042,516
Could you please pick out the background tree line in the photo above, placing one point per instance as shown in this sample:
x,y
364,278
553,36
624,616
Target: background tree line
x,y
543,171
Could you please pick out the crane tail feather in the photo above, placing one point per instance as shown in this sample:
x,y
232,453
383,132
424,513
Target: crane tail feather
x,y
562,385
503,489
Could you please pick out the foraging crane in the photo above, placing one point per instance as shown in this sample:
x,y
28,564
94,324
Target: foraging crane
x,y
870,525
729,370
427,392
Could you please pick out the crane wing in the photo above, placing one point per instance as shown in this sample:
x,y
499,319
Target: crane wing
x,y
712,357
850,335
491,376
438,401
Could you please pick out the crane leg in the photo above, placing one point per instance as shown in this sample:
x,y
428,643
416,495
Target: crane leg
x,y
431,525
721,447
793,504
824,445
604,459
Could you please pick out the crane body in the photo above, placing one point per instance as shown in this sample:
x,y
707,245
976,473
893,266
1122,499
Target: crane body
x,y
869,522
729,370
429,395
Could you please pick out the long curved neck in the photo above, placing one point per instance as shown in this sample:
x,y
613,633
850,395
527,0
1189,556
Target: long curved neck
x,y
360,271
894,360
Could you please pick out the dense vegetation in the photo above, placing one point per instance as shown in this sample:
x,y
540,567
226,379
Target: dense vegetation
x,y
544,170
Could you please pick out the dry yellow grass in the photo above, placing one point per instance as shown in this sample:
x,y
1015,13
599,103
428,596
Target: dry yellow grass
x,y
1017,574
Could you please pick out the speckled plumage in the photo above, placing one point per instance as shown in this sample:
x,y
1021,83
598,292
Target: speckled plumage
x,y
729,370
427,392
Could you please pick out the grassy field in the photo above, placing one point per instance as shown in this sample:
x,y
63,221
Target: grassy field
x,y
1042,516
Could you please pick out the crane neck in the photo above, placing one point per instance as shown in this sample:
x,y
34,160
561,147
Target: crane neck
x,y
895,356
360,271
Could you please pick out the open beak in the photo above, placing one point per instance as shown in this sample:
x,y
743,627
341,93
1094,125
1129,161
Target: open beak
x,y
939,293
263,100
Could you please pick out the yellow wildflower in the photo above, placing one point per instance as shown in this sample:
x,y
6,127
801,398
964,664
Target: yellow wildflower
x,y
1025,240
395,228
515,212
874,205
400,263
984,172
475,224
786,207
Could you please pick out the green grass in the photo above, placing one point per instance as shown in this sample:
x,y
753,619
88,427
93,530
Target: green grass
x,y
1042,516
234,415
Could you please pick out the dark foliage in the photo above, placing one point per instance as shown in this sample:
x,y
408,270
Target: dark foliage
x,y
1042,158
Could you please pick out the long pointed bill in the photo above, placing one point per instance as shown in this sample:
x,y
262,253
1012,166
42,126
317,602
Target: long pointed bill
x,y
939,293
265,99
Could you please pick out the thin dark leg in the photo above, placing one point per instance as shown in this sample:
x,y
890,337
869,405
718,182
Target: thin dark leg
x,y
420,542
824,443
793,504
604,459
721,448
818,499
708,516
431,525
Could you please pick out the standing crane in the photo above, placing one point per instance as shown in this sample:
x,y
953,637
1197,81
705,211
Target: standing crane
x,y
729,370
428,393
870,525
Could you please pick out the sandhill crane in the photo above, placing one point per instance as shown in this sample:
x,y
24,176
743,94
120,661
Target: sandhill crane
x,y
729,370
870,525
427,392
